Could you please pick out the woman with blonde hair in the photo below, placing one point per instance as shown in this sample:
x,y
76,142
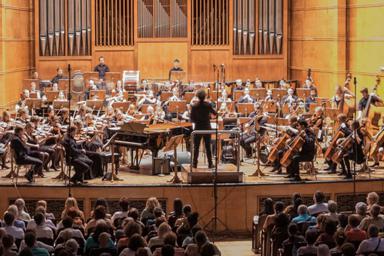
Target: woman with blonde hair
x,y
148,212
71,203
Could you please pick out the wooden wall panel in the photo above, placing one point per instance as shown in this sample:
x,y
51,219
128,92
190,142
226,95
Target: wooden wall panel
x,y
15,48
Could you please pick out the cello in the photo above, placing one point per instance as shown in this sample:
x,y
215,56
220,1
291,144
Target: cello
x,y
342,148
293,148
330,149
279,145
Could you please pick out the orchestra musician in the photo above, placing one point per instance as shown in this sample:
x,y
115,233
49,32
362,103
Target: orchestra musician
x,y
341,93
253,130
311,99
290,98
101,68
23,154
200,116
59,76
176,67
246,98
309,85
81,163
307,152
375,100
258,83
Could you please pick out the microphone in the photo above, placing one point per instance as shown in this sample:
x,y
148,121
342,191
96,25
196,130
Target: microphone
x,y
354,81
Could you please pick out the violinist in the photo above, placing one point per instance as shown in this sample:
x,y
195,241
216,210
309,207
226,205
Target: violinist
x,y
239,85
246,98
82,164
64,118
307,152
149,98
269,96
23,155
309,85
290,98
253,131
224,97
291,130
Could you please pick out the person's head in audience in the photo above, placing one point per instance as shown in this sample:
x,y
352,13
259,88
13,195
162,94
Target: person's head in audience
x,y
135,242
158,212
134,214
292,229
361,209
7,241
330,227
268,206
282,220
167,250
353,221
104,240
340,238
71,246
187,210
348,249
201,238
26,252
30,238
170,238
99,213
298,201
13,209
20,203
151,204
320,221
323,250
208,249
310,236
9,218
142,252
375,210
195,229
67,222
332,206
101,226
193,218
318,197
164,228
373,231
124,204
372,198
71,202
132,228
343,220
39,219
178,207
302,210
73,213
279,207
295,196
102,202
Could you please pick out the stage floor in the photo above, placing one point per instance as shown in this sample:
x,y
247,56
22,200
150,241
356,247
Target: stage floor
x,y
132,178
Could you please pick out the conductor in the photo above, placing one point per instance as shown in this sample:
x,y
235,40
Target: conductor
x,y
200,116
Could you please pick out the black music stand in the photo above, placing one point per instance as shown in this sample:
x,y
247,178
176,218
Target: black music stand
x,y
172,145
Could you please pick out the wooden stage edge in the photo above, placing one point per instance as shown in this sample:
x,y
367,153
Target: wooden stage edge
x,y
237,203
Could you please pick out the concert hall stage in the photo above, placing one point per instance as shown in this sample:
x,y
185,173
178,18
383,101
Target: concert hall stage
x,y
237,203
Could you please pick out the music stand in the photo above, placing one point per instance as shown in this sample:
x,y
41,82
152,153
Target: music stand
x,y
245,108
177,107
63,84
164,96
172,145
33,104
188,96
123,106
270,107
258,93
178,75
303,93
95,104
51,95
100,94
230,105
278,93
27,84
59,104
237,94
112,76
91,76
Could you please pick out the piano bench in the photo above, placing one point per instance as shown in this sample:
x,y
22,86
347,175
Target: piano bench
x,y
106,158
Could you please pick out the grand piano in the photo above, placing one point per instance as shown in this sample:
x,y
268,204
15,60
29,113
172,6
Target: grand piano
x,y
135,136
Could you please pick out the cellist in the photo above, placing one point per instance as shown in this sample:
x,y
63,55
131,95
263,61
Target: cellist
x,y
307,152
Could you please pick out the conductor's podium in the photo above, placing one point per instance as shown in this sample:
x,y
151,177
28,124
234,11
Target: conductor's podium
x,y
226,173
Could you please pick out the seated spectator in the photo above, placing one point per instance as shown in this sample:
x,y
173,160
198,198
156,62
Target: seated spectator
x,y
310,248
93,240
98,214
327,237
291,209
123,213
43,232
130,229
75,215
320,224
294,241
148,212
190,239
354,234
332,214
7,246
102,202
323,250
167,250
375,219
343,222
340,239
184,230
270,220
372,199
348,249
23,215
134,214
48,215
71,204
304,216
158,240
373,244
170,240
176,214
10,229
18,223
187,210
46,223
319,205
69,232
135,242
361,210
30,241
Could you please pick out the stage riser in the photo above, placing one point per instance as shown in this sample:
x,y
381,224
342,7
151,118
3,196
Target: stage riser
x,y
237,203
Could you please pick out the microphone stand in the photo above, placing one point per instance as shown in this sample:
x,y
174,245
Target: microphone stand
x,y
355,144
70,124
